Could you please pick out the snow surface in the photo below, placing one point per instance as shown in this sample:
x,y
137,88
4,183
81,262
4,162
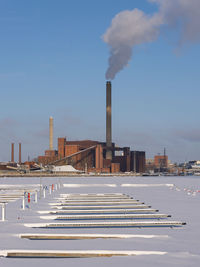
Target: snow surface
x,y
89,185
177,196
64,168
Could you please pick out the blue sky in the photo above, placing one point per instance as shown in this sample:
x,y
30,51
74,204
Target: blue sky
x,y
53,63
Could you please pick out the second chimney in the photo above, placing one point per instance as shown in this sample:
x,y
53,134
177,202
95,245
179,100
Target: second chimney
x,y
12,152
20,153
50,133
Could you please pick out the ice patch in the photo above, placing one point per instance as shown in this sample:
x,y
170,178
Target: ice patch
x,y
88,185
146,185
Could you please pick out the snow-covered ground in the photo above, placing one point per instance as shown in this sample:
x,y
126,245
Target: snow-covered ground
x,y
162,246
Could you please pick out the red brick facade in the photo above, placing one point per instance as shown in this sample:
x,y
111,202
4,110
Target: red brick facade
x,y
93,159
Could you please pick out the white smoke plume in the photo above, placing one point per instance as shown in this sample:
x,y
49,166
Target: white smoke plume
x,y
133,27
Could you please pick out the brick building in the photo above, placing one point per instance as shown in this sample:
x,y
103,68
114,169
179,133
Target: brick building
x,y
91,156
161,161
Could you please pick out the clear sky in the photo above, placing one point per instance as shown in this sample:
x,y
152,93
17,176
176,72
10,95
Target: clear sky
x,y
53,62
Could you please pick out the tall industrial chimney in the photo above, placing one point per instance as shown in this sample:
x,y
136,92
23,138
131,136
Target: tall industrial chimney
x,y
12,152
50,133
20,153
108,122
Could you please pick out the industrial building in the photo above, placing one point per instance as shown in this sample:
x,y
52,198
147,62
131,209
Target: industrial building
x,y
94,156
161,161
90,156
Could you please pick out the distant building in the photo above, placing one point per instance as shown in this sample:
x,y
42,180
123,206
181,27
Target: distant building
x,y
150,166
161,161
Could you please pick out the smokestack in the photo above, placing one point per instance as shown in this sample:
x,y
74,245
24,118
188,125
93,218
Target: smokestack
x,y
12,152
20,153
108,122
50,133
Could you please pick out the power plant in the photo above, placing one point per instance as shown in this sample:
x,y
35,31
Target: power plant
x,y
94,156
86,155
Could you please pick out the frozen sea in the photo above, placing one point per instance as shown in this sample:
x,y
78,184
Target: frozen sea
x,y
176,196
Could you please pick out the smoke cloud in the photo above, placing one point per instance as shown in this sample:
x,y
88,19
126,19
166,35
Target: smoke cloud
x,y
133,27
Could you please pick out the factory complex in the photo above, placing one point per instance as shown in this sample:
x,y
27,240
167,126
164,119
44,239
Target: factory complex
x,y
94,156
90,156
